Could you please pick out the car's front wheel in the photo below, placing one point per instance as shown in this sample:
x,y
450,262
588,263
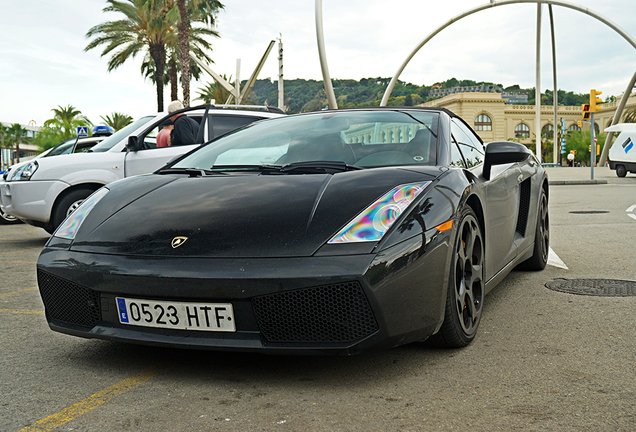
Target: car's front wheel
x,y
464,300
539,257
6,218
67,205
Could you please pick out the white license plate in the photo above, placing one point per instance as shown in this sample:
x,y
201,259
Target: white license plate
x,y
176,315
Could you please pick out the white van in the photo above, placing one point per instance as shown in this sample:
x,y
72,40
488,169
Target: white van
x,y
622,155
44,191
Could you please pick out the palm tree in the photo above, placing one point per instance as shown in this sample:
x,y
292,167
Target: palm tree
x,y
630,116
214,91
203,11
68,119
199,46
16,134
144,28
117,120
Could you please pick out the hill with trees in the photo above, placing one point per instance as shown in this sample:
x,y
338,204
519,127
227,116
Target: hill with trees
x,y
309,95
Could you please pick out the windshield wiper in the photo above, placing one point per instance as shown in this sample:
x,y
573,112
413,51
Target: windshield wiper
x,y
192,172
318,167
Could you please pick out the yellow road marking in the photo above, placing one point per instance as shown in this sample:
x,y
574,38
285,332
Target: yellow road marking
x,y
18,292
20,232
20,251
22,311
19,262
74,411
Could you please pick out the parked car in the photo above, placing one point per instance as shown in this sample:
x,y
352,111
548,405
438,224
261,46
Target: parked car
x,y
327,232
44,191
71,145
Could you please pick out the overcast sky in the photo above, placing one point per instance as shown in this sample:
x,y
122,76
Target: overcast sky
x,y
43,63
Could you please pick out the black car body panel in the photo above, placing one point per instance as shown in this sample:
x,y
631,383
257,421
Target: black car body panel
x,y
262,240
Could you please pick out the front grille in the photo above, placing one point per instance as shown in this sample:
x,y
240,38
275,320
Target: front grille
x,y
524,207
68,302
330,313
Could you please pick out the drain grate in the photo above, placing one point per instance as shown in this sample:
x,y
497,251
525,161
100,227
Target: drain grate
x,y
594,287
589,212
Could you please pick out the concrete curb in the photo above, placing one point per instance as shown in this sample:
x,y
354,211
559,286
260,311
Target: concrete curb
x,y
575,182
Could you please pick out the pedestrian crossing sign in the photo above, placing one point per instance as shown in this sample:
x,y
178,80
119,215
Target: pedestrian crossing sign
x,y
82,131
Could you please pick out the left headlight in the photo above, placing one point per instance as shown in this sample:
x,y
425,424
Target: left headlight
x,y
71,224
24,172
374,221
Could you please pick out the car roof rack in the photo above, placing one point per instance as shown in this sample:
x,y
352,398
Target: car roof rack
x,y
256,107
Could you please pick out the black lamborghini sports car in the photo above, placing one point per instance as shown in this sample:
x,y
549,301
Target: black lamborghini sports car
x,y
326,232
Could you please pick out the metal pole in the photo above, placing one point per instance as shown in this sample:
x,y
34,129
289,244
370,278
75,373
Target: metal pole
x,y
592,147
617,119
495,3
555,100
537,90
237,82
281,91
331,96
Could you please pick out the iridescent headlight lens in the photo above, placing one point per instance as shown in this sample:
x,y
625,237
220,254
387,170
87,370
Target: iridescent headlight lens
x,y
24,172
375,220
71,224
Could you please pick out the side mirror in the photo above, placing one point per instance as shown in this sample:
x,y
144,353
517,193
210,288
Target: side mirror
x,y
133,143
504,152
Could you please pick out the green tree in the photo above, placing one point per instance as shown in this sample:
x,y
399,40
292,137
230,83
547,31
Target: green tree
x,y
630,115
67,119
49,136
215,91
145,27
203,11
580,141
117,120
16,134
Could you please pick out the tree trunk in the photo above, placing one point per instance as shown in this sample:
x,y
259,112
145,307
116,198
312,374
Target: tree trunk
x,y
158,54
17,150
184,51
174,81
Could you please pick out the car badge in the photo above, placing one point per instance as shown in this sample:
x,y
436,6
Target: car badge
x,y
178,241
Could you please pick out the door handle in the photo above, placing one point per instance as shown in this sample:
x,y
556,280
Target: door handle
x,y
520,178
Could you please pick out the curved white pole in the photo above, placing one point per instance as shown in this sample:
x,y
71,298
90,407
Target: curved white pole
x,y
537,88
331,96
495,3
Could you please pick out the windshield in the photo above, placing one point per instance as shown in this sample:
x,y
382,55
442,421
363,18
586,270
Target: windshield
x,y
360,138
115,138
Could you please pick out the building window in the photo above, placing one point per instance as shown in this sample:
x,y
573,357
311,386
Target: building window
x,y
547,131
483,123
574,128
522,131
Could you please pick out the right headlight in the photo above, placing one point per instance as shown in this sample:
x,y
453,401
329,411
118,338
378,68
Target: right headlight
x,y
24,172
71,224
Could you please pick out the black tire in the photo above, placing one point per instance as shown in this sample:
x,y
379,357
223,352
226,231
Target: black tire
x,y
464,299
7,219
67,204
539,257
621,171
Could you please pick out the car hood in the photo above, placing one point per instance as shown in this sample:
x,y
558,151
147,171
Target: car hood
x,y
238,215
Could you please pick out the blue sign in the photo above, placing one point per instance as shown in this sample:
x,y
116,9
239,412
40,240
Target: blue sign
x,y
82,131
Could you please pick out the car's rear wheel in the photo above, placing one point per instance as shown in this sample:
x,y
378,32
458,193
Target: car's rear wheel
x,y
6,219
68,204
621,171
539,257
464,300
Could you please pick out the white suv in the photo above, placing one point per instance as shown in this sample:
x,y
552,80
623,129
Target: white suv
x,y
44,191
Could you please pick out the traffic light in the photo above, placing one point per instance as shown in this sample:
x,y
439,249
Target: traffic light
x,y
585,112
595,100
579,123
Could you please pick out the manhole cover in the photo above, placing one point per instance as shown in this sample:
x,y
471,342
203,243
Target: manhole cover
x,y
594,287
589,212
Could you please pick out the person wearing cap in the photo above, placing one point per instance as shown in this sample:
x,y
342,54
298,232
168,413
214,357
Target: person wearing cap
x,y
163,137
185,128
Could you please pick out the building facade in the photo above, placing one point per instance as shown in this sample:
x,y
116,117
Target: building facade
x,y
494,120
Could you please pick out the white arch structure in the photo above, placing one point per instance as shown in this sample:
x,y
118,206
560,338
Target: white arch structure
x,y
493,3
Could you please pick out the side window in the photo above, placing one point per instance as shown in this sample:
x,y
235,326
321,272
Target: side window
x,y
160,135
222,124
456,156
469,145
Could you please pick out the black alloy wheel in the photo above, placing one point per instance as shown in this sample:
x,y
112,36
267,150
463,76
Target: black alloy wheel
x,y
539,257
464,302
